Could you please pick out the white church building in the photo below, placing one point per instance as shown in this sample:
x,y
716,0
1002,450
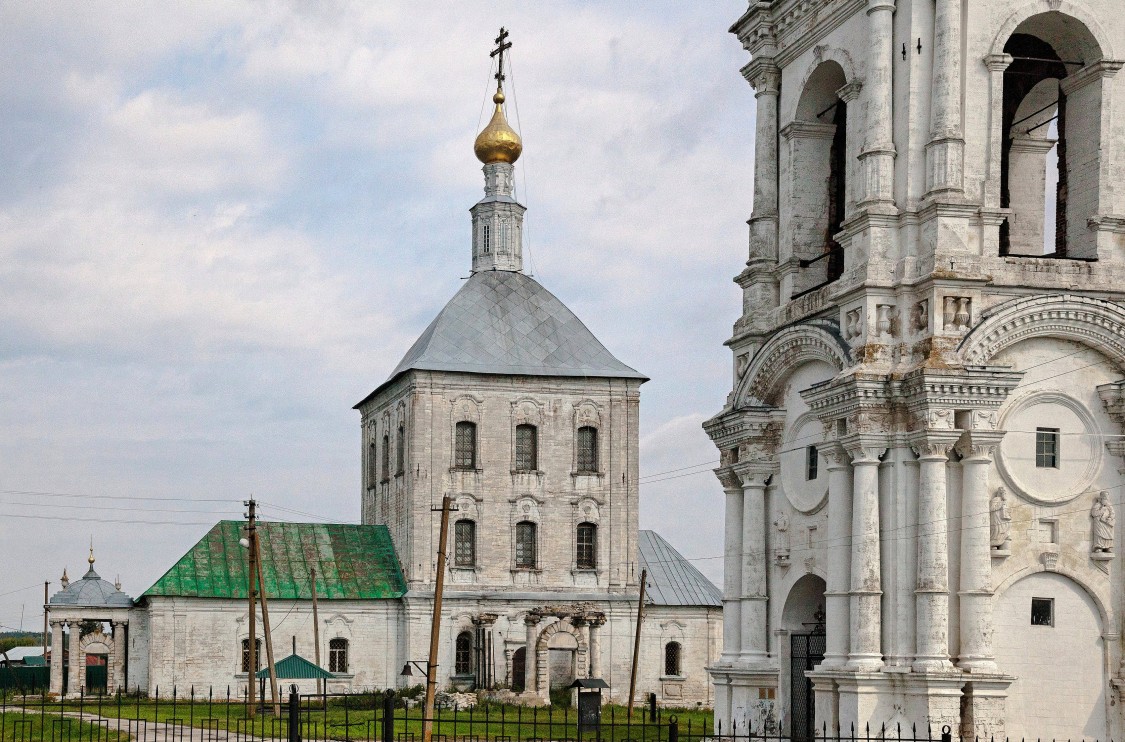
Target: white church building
x,y
508,404
922,451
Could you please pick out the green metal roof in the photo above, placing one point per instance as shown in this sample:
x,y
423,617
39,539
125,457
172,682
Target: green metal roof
x,y
352,562
295,667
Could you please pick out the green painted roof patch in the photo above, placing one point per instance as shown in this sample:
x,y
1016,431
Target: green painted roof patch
x,y
296,667
353,562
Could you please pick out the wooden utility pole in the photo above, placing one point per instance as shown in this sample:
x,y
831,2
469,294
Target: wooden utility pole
x,y
46,599
435,624
269,636
316,630
637,642
251,591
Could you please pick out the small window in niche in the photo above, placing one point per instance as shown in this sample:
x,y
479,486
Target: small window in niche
x,y
672,655
487,239
1048,531
812,463
1047,448
463,654
1042,611
767,694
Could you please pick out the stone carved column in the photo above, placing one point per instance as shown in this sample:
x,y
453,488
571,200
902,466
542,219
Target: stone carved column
x,y
77,660
996,63
836,594
945,152
754,645
596,646
115,675
878,155
765,76
732,567
977,448
57,657
531,623
931,591
865,616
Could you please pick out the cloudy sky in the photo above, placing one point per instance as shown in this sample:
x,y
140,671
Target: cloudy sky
x,y
221,225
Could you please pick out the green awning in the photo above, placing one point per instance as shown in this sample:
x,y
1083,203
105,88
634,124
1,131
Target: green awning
x,y
353,562
296,667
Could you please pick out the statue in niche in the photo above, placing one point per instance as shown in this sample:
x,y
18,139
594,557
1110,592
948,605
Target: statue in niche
x,y
1000,521
1104,520
781,523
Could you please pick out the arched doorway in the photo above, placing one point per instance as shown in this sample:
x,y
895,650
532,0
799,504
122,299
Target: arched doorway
x,y
519,669
562,651
803,619
1049,636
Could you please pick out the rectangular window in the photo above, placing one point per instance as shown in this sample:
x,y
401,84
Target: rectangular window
x,y
812,463
465,454
400,450
338,655
465,544
587,546
587,449
1047,448
525,545
1042,612
527,448
386,458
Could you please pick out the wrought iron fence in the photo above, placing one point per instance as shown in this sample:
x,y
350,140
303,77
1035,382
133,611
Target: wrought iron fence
x,y
379,717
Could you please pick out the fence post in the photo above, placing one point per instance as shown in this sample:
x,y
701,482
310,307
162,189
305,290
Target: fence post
x,y
388,715
652,707
946,733
294,714
673,730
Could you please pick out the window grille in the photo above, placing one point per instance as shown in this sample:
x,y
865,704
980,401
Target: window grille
x,y
465,456
587,449
372,465
400,450
464,544
1047,448
527,448
386,465
463,661
338,655
246,655
487,238
1042,612
812,463
587,546
672,658
525,545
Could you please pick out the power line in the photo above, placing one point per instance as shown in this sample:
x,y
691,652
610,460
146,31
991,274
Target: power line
x,y
118,497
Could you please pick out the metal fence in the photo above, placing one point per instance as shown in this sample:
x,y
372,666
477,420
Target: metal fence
x,y
378,717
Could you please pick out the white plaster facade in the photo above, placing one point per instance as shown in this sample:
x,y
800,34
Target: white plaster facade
x,y
904,342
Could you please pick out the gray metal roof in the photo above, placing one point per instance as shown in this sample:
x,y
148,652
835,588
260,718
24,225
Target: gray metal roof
x,y
92,592
504,322
673,580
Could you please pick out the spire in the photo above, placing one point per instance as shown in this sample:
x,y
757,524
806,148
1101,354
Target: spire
x,y
498,218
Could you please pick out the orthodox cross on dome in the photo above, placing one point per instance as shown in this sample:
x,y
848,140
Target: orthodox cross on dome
x,y
502,45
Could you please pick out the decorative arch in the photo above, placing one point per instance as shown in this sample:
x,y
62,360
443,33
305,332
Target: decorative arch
x,y
555,627
542,663
1096,323
806,587
816,340
1032,8
97,637
1101,601
820,55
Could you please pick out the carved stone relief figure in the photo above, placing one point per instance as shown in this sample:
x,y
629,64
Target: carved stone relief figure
x,y
781,523
1000,521
1104,520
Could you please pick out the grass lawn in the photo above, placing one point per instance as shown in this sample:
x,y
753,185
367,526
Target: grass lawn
x,y
16,726
360,717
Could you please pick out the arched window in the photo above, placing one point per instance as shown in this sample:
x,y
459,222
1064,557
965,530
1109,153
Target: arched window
x,y
386,457
817,147
372,465
525,545
1050,126
672,658
338,655
587,546
587,449
464,543
465,446
400,450
463,661
527,448
246,655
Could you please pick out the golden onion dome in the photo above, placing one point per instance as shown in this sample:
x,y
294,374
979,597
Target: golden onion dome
x,y
497,142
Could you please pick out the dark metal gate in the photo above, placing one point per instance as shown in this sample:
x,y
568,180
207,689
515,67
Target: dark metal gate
x,y
806,652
